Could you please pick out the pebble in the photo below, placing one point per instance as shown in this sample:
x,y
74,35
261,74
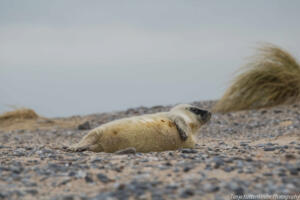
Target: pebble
x,y
239,164
88,178
269,148
84,126
228,168
267,174
290,156
96,160
235,188
217,162
103,178
32,192
208,187
186,193
189,151
68,197
187,168
64,181
293,171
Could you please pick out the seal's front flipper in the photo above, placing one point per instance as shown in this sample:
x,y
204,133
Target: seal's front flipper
x,y
182,128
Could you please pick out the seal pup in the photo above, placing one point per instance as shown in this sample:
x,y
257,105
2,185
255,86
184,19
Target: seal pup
x,y
146,133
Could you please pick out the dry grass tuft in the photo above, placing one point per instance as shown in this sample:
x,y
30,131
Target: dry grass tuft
x,y
271,78
27,119
19,114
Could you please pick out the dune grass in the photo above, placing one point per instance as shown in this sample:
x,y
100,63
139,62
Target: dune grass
x,y
19,114
272,77
28,119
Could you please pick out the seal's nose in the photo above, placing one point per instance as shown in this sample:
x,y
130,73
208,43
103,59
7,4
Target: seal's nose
x,y
207,116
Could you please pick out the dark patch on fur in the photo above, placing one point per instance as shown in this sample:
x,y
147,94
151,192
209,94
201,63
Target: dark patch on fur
x,y
198,111
181,132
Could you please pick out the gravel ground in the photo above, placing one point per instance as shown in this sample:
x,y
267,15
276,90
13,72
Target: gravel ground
x,y
243,153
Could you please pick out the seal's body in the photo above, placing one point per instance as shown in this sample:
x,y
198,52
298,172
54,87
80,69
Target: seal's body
x,y
154,132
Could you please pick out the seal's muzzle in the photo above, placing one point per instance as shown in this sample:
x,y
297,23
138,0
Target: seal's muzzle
x,y
205,115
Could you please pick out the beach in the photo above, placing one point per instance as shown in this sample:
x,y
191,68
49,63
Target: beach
x,y
253,152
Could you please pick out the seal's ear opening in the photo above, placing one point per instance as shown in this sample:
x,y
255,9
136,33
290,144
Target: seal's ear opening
x,y
205,115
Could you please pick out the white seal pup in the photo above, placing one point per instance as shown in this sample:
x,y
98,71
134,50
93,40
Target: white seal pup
x,y
146,133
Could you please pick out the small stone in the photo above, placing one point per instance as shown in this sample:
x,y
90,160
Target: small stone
x,y
57,168
108,196
264,111
45,151
290,180
171,154
269,148
229,160
16,169
89,178
19,153
64,181
187,168
290,156
28,183
239,164
172,186
228,169
293,171
68,197
248,159
32,191
267,174
249,171
297,147
243,144
103,178
84,197
2,195
218,162
189,151
80,174
280,172
217,197
236,188
187,193
72,173
208,187
96,160
84,126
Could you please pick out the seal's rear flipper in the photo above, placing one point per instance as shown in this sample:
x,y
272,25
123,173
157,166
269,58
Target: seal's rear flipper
x,y
129,150
76,148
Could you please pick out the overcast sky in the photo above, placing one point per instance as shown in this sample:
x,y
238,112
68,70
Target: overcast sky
x,y
72,57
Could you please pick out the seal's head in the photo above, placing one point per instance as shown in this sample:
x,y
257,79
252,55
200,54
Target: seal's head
x,y
192,115
202,115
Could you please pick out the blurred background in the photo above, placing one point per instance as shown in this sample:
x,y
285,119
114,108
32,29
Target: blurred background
x,y
74,57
